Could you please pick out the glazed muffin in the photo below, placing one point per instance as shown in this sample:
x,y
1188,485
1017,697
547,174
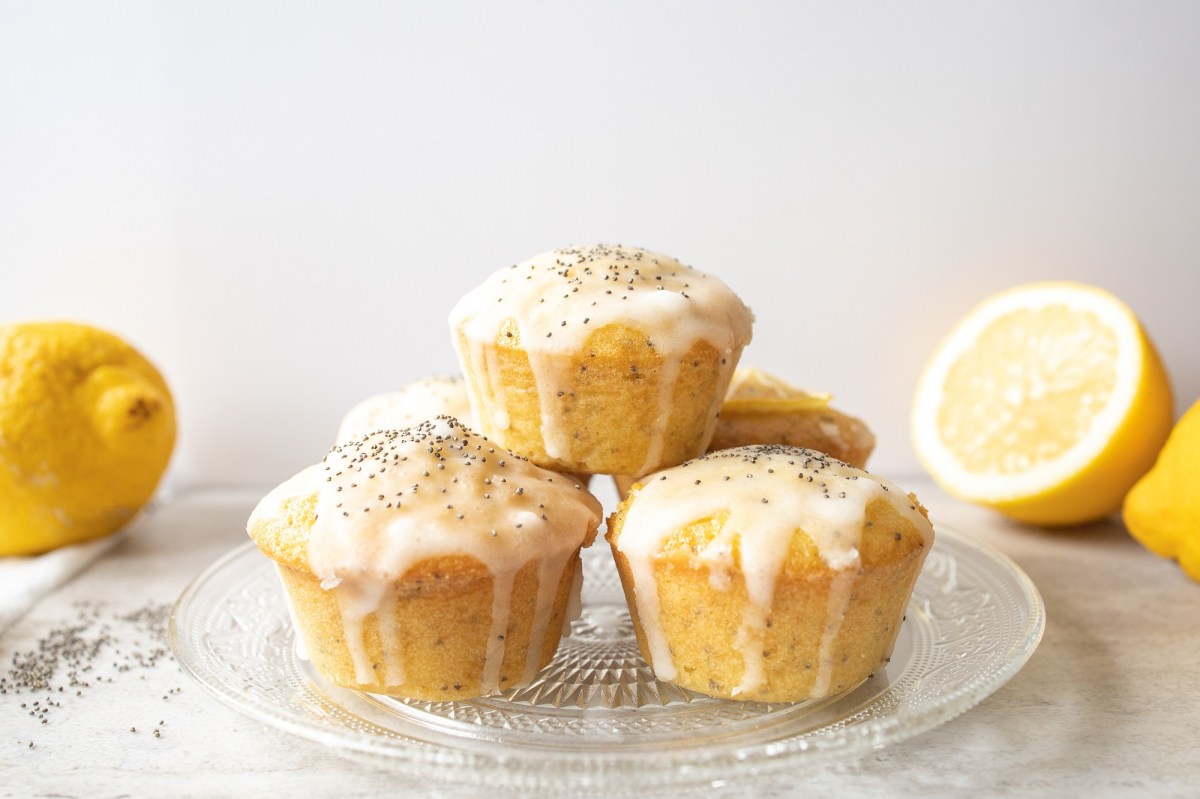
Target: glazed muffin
x,y
768,573
600,359
760,408
419,401
427,563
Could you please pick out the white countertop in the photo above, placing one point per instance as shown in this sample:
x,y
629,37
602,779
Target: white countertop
x,y
1109,705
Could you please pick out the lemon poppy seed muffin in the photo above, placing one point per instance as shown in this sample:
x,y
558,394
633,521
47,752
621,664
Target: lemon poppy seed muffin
x,y
600,359
419,401
427,563
768,573
760,408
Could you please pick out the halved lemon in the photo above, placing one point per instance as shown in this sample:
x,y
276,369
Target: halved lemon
x,y
1047,402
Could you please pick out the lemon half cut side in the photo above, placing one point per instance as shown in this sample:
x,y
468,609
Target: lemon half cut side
x,y
1046,402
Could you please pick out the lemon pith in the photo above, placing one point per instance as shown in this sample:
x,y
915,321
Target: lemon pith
x,y
1047,402
87,426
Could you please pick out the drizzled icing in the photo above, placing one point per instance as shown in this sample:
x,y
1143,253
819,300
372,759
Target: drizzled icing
x,y
592,286
416,402
391,499
556,300
765,493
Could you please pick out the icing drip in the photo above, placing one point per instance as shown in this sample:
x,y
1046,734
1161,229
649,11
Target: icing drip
x,y
645,591
490,361
301,649
501,605
550,573
358,599
557,300
395,498
551,380
669,374
840,591
574,600
763,495
751,637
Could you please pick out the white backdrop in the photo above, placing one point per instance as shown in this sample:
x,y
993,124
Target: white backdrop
x,y
279,202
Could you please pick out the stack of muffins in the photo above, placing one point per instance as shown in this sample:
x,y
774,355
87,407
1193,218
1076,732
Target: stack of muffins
x,y
434,552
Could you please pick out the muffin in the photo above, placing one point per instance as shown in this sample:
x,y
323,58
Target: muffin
x,y
427,563
760,408
416,402
600,359
767,572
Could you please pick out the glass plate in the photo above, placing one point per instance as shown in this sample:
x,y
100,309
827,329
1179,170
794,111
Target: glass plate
x,y
596,720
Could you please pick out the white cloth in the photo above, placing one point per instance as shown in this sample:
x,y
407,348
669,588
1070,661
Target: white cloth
x,y
25,580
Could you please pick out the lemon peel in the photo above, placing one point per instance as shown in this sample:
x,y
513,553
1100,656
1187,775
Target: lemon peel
x,y
1162,510
87,426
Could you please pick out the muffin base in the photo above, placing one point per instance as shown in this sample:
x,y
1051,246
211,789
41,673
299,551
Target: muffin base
x,y
704,627
433,642
617,406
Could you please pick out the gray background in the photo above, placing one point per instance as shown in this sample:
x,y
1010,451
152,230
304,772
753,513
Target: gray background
x,y
279,202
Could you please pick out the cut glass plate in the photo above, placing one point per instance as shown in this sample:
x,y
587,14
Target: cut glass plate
x,y
596,720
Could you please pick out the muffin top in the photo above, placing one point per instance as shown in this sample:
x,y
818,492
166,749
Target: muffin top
x,y
764,496
556,300
416,402
378,505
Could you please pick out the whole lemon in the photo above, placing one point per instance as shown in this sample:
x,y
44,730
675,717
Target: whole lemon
x,y
87,426
1162,510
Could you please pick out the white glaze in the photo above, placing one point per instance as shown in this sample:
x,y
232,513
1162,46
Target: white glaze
x,y
550,574
382,508
574,600
357,599
669,374
552,375
558,299
840,591
301,649
416,402
802,489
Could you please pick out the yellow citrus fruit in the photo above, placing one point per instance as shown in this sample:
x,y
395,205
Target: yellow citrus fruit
x,y
87,426
1047,402
1162,510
